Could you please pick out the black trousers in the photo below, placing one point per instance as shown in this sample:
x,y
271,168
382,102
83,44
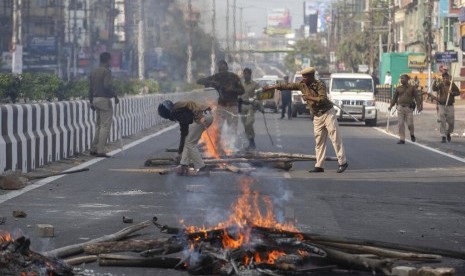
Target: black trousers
x,y
286,102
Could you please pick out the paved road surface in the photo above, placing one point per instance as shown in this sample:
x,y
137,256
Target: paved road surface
x,y
410,193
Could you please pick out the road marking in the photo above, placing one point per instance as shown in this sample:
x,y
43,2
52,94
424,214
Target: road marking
x,y
38,184
460,159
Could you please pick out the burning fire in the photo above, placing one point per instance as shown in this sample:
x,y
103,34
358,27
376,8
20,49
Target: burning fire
x,y
5,236
246,214
211,138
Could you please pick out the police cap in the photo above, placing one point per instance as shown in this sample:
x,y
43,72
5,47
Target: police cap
x,y
308,71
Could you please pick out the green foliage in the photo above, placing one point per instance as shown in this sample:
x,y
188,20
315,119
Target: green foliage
x,y
48,87
39,86
311,49
352,50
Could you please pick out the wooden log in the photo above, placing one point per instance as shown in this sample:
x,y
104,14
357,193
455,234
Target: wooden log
x,y
385,252
158,262
78,248
81,260
316,238
121,246
167,162
357,261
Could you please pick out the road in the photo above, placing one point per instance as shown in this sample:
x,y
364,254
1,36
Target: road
x,y
408,194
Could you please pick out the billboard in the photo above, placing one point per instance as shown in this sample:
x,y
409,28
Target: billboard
x,y
279,22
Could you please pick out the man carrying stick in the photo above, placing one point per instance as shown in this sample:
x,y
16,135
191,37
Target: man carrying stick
x,y
325,121
446,91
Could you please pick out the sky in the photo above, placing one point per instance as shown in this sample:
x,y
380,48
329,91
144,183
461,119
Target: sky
x,y
254,13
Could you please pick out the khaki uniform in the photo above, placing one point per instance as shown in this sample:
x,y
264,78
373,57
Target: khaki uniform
x,y
247,109
324,121
189,114
406,96
100,94
446,111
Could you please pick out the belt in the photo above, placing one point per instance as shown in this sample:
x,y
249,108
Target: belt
x,y
321,112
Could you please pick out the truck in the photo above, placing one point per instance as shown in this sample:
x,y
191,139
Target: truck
x,y
353,93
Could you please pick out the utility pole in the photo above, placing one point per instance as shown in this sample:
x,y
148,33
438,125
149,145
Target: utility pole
x,y
371,35
140,41
391,27
234,25
75,33
189,45
429,38
16,39
213,56
227,28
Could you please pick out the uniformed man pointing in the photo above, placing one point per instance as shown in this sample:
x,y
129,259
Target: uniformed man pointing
x,y
324,122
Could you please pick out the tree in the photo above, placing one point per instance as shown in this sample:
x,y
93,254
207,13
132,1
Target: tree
x,y
311,49
353,50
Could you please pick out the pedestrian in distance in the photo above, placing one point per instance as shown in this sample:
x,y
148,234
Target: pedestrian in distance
x,y
247,107
406,98
446,92
324,122
388,78
193,119
100,94
286,101
229,88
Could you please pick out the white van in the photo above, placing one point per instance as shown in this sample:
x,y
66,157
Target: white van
x,y
355,93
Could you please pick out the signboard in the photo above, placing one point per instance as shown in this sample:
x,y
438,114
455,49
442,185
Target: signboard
x,y
447,57
265,95
43,45
416,61
279,22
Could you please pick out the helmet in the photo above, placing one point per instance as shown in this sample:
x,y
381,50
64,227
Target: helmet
x,y
164,109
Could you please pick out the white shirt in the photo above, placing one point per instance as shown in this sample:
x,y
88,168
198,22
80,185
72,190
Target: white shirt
x,y
388,79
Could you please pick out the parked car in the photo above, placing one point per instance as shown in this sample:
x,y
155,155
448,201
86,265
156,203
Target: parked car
x,y
272,103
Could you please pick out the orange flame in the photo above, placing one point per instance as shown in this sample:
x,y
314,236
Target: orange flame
x,y
5,236
246,212
211,138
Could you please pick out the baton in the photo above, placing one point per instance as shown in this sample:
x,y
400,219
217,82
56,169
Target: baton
x,y
266,127
342,109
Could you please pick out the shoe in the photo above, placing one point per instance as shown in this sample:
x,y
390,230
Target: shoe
x,y
182,170
102,155
401,142
342,167
316,170
93,153
282,117
448,138
443,140
412,138
202,171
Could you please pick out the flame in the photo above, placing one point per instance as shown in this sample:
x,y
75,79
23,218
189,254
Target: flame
x,y
215,146
5,236
246,213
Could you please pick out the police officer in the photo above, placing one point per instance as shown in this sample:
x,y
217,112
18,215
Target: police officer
x,y
446,92
100,94
229,88
406,96
246,103
325,121
193,119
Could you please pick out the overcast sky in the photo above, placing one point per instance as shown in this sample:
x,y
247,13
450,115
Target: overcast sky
x,y
254,13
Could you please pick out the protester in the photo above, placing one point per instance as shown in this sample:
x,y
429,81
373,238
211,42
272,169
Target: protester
x,y
406,98
100,94
324,122
246,106
446,92
193,119
229,88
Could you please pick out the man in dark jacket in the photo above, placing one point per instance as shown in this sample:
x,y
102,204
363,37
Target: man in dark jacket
x,y
286,101
193,120
229,89
100,94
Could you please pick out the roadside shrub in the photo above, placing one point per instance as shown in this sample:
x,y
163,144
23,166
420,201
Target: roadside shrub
x,y
77,89
40,86
10,87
